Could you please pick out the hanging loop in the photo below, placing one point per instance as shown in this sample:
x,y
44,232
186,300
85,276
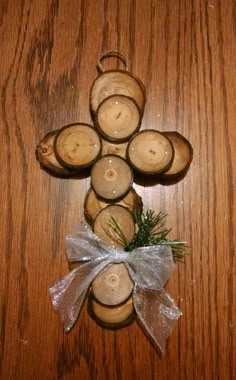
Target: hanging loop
x,y
111,53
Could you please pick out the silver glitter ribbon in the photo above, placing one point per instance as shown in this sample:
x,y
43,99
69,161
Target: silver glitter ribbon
x,y
149,267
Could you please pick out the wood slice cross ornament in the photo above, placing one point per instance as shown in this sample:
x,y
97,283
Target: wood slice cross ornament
x,y
113,147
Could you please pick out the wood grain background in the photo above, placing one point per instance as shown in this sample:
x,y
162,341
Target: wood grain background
x,y
185,53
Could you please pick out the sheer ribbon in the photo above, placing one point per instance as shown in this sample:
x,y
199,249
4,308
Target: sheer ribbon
x,y
149,267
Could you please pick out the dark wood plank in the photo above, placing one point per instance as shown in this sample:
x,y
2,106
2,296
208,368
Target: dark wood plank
x,y
185,53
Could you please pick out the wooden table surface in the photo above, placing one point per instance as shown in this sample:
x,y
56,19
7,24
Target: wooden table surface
x,y
185,53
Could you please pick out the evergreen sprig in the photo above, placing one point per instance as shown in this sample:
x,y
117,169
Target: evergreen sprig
x,y
151,231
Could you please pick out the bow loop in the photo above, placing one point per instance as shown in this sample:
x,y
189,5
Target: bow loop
x,y
151,266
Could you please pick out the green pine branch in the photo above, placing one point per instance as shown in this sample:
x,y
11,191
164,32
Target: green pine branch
x,y
151,231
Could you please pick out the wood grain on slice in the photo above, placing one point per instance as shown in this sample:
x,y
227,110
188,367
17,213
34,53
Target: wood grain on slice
x,y
77,146
92,204
118,118
117,82
46,156
182,157
114,148
113,286
123,217
150,152
113,317
111,177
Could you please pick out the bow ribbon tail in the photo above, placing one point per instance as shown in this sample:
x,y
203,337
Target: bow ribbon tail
x,y
157,311
68,294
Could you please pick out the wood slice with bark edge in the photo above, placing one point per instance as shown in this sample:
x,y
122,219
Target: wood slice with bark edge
x,y
113,285
111,177
77,146
150,152
182,158
123,217
103,314
117,118
46,156
92,204
119,82
112,148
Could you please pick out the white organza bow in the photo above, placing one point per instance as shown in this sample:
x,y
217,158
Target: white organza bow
x,y
149,267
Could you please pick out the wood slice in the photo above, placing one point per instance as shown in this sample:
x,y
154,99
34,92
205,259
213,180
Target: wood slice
x,y
111,177
111,317
113,286
46,156
77,146
92,204
123,218
183,155
117,82
150,152
118,118
112,148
